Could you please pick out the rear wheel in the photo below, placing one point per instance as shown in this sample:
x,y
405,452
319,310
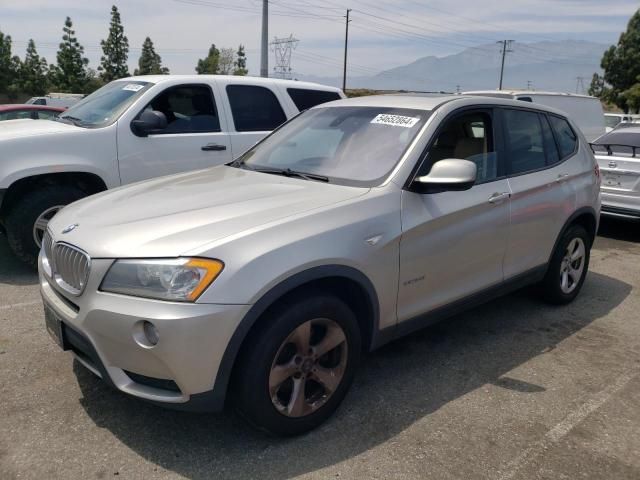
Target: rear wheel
x,y
27,220
299,365
568,267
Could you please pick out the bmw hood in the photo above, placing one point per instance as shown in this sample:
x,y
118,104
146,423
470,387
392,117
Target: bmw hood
x,y
173,216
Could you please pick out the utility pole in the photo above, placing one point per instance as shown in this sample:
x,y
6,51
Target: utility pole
x,y
264,47
506,47
580,84
346,44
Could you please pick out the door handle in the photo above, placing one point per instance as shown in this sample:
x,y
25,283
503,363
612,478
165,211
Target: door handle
x,y
499,197
562,177
213,147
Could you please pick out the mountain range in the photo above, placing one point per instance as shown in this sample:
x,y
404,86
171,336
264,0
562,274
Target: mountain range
x,y
554,66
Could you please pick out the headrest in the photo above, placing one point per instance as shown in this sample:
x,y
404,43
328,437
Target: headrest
x,y
467,147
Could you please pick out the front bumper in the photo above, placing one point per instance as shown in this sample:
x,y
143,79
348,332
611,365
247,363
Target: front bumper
x,y
180,370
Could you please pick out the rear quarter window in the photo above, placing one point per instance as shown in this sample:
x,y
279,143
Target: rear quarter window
x,y
565,136
254,108
304,98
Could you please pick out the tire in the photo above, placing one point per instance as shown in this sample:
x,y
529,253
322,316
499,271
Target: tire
x,y
21,217
274,348
561,270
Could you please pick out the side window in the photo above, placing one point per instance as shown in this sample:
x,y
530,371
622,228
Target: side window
x,y
15,115
46,114
566,137
188,108
550,147
468,136
254,109
305,99
524,141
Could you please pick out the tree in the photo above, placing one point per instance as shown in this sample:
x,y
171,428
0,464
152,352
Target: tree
x,y
9,67
209,64
621,64
632,96
150,62
241,62
71,69
33,78
115,50
226,61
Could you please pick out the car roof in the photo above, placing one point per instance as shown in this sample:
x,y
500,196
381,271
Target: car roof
x,y
525,93
27,106
232,78
432,102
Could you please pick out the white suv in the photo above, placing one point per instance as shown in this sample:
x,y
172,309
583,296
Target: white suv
x,y
359,221
133,129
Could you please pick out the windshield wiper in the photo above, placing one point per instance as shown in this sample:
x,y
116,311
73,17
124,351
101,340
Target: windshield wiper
x,y
287,172
74,120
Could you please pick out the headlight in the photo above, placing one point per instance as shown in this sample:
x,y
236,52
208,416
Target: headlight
x,y
179,279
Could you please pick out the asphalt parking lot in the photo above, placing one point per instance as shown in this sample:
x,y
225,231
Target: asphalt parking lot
x,y
512,390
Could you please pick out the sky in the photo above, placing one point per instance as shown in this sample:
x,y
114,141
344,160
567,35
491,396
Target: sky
x,y
382,34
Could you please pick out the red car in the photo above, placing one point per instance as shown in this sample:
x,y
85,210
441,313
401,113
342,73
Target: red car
x,y
16,111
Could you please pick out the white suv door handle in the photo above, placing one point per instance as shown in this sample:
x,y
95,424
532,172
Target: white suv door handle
x,y
499,197
562,177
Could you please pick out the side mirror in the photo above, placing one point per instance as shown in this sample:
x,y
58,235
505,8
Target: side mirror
x,y
451,174
150,121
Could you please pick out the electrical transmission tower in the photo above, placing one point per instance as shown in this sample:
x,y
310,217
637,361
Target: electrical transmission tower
x,y
529,85
580,85
506,48
282,48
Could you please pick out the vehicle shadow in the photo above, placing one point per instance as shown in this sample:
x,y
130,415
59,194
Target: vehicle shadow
x,y
12,270
619,229
397,385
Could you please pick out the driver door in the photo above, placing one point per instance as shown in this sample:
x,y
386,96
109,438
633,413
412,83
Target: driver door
x,y
195,136
453,243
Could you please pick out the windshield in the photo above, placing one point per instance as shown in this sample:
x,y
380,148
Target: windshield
x,y
105,105
611,121
348,145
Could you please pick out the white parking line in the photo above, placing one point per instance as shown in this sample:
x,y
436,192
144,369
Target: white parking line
x,y
18,305
569,422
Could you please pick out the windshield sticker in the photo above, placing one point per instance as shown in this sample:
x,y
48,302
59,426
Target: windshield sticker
x,y
395,120
133,87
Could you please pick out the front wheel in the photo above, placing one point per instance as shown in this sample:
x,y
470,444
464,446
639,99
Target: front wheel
x,y
26,221
568,267
299,365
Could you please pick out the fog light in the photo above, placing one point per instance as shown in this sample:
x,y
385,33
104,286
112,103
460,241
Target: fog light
x,y
150,332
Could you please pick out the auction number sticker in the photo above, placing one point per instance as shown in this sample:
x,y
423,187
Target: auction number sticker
x,y
133,87
395,120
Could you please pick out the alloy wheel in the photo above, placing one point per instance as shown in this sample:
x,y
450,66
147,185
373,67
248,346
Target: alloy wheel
x,y
572,265
40,225
308,367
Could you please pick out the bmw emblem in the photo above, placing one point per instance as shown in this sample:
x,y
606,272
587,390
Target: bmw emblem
x,y
69,228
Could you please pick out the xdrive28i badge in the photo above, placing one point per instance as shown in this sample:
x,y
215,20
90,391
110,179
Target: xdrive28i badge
x,y
69,228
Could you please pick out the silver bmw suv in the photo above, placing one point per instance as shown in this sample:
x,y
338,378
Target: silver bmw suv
x,y
262,282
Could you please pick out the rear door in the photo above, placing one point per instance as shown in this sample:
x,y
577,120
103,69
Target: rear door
x,y
195,136
453,243
540,178
254,111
